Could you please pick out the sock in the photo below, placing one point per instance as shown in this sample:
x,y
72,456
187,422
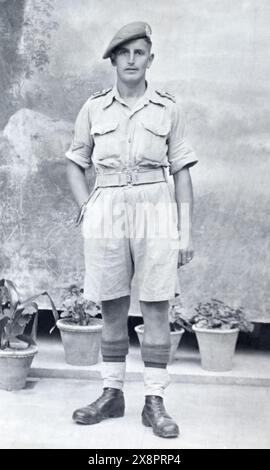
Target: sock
x,y
114,348
156,381
155,353
158,365
113,374
114,358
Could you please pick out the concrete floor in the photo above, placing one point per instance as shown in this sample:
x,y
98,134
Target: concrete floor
x,y
209,416
214,410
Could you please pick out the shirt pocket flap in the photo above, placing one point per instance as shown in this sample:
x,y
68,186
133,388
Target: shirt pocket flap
x,y
161,130
104,128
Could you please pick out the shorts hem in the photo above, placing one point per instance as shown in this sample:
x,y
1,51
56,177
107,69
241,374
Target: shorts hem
x,y
156,298
107,297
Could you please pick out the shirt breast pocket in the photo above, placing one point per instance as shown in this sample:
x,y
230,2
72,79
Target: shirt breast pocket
x,y
106,139
154,140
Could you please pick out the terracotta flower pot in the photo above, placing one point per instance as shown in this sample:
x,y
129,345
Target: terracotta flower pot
x,y
175,339
14,367
217,348
81,343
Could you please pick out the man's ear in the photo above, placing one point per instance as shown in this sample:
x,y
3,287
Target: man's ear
x,y
150,60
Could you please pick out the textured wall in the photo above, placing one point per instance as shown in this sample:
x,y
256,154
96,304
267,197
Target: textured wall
x,y
214,56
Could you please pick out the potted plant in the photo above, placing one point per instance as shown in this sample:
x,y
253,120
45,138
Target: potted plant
x,y
176,329
17,349
217,327
79,328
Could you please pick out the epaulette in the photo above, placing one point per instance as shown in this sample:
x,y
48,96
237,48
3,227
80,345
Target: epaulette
x,y
165,94
100,93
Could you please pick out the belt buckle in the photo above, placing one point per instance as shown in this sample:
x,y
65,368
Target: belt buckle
x,y
129,179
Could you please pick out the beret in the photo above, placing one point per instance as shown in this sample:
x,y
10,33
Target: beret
x,y
135,30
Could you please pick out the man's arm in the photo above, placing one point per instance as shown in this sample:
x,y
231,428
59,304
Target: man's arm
x,y
77,181
184,200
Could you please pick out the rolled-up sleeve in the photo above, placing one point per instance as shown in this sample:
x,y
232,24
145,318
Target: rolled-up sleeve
x,y
81,148
180,152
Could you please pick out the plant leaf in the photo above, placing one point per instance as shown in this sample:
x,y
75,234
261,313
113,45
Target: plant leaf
x,y
15,297
65,314
17,328
4,296
34,297
3,323
34,328
7,312
30,309
26,339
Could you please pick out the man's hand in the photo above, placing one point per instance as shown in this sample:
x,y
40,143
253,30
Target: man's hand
x,y
184,200
186,253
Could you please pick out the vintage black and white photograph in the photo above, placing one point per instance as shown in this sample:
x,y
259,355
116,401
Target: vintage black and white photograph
x,y
134,225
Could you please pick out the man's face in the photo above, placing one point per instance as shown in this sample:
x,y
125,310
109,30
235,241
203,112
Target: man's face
x,y
131,60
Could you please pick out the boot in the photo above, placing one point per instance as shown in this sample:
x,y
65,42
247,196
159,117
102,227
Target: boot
x,y
110,404
155,415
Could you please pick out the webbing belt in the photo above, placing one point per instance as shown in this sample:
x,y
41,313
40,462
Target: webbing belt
x,y
126,178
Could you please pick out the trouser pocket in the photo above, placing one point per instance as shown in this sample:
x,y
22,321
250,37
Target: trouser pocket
x,y
91,215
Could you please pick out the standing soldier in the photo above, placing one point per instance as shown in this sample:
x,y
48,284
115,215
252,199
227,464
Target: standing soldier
x,y
132,133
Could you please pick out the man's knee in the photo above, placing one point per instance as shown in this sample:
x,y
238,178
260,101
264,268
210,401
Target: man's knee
x,y
115,307
155,314
155,309
156,323
115,314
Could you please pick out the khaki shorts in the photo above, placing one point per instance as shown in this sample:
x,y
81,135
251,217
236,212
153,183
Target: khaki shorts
x,y
131,230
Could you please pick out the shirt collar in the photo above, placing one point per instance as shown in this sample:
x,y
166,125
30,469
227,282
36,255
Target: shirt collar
x,y
149,95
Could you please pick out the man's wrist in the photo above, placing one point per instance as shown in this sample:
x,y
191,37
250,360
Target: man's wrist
x,y
185,237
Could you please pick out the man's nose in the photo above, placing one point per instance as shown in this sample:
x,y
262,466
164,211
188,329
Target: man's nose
x,y
131,57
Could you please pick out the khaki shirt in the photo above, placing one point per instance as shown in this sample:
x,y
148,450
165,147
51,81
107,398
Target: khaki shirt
x,y
114,137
